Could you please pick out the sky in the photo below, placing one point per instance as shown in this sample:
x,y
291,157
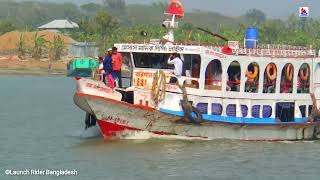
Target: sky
x,y
273,8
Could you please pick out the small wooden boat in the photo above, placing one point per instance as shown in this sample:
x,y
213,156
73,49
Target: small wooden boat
x,y
82,67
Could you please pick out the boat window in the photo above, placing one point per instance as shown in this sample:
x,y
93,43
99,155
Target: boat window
x,y
151,60
244,110
203,108
285,111
270,79
192,64
303,111
213,75
126,70
252,74
310,109
287,75
255,111
231,110
304,79
216,109
266,111
233,77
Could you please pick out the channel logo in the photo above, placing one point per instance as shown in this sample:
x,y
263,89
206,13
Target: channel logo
x,y
304,11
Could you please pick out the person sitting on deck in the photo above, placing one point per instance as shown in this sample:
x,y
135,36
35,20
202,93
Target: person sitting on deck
x,y
107,66
178,67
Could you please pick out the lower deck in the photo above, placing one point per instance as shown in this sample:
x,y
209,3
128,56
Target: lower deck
x,y
231,110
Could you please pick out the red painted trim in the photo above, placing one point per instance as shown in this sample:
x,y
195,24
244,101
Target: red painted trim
x,y
110,130
206,121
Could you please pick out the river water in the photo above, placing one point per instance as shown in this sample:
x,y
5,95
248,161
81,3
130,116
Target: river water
x,y
40,129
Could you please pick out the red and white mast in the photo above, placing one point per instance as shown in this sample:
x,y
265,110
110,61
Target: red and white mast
x,y
176,11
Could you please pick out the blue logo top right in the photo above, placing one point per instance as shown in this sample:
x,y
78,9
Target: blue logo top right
x,y
304,12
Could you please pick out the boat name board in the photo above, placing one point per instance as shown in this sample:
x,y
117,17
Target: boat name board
x,y
98,88
151,48
117,120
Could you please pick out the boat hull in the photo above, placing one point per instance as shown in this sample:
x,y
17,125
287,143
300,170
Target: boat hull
x,y
118,118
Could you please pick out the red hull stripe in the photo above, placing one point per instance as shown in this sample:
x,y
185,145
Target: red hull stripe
x,y
110,130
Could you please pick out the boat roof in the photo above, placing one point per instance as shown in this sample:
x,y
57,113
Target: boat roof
x,y
276,51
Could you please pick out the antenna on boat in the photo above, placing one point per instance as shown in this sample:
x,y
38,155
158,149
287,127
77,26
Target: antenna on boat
x,y
213,34
176,11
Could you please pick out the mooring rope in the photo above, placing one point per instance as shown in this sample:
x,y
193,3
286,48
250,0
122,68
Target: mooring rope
x,y
158,89
189,109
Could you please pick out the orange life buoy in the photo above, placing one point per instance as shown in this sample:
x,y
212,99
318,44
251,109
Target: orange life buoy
x,y
304,76
252,76
274,70
289,72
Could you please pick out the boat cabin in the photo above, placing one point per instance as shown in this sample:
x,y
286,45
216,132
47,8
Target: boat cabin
x,y
249,85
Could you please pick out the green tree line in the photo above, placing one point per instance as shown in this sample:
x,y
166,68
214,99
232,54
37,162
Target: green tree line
x,y
115,21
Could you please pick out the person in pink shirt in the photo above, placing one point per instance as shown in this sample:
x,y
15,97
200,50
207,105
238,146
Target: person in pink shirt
x,y
116,65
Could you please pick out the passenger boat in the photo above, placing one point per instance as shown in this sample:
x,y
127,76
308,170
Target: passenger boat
x,y
81,67
258,93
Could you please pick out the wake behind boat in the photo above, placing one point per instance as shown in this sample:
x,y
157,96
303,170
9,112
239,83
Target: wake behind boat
x,y
228,92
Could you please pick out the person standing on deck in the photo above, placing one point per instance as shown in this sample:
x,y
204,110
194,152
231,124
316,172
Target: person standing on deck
x,y
116,65
178,67
107,66
100,70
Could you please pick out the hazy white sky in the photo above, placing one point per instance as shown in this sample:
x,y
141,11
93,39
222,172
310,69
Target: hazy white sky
x,y
273,8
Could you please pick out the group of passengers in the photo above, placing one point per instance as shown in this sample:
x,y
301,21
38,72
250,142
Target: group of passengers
x,y
110,68
180,68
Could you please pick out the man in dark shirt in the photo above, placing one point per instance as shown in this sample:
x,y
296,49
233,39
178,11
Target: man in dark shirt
x,y
107,65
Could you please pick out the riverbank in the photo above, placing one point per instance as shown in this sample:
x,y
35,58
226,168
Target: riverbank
x,y
15,66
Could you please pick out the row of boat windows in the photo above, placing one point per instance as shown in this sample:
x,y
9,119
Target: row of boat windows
x,y
252,73
213,75
284,111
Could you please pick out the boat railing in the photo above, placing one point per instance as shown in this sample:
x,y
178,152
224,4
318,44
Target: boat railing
x,y
270,50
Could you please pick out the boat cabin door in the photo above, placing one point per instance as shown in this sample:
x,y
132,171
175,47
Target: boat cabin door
x,y
126,70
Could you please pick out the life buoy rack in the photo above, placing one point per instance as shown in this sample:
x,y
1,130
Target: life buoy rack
x,y
252,76
304,75
273,68
289,72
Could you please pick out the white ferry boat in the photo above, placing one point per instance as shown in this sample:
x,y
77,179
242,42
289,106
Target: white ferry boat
x,y
259,93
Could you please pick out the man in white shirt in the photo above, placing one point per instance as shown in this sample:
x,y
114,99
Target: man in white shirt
x,y
100,70
178,66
